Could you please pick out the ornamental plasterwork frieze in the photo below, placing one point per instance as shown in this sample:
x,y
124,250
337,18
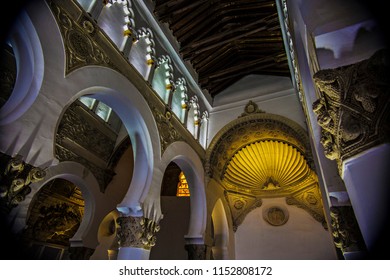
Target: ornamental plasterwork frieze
x,y
167,132
86,44
310,200
80,47
136,232
74,142
353,109
240,205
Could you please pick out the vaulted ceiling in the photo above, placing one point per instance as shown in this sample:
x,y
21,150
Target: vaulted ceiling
x,y
225,40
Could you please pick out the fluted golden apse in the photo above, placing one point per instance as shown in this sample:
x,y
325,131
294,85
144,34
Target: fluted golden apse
x,y
266,165
261,155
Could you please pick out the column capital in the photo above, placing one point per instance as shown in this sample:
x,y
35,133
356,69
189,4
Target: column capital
x,y
353,108
137,232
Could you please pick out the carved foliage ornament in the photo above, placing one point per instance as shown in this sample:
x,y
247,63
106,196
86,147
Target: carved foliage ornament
x,y
168,133
353,110
80,48
138,232
240,205
16,177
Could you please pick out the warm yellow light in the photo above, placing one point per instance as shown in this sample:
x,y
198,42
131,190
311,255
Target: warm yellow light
x,y
267,165
182,186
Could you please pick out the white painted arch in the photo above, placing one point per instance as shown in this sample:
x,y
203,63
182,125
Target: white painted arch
x,y
189,162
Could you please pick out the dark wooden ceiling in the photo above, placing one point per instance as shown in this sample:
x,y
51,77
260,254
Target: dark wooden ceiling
x,y
226,40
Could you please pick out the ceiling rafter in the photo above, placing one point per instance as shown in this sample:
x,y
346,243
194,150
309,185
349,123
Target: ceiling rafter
x,y
225,40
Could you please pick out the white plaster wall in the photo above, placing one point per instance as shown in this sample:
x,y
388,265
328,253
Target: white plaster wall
x,y
301,238
273,95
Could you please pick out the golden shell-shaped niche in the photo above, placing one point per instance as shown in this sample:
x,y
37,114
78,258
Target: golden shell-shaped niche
x,y
267,166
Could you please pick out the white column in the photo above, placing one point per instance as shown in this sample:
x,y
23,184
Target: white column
x,y
367,179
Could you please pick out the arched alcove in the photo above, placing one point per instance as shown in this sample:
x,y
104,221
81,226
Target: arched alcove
x,y
259,160
176,210
220,232
54,216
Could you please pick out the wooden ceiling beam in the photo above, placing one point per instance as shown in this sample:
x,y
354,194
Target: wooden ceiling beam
x,y
224,34
190,16
231,39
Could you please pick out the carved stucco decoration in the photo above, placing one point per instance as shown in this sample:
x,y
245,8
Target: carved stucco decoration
x,y
261,155
78,125
240,205
167,132
345,230
310,200
353,109
137,232
80,47
73,139
16,177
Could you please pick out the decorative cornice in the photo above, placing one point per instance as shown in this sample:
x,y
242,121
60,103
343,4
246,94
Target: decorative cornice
x,y
353,110
251,108
167,132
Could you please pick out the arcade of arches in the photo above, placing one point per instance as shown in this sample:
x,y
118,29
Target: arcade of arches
x,y
111,148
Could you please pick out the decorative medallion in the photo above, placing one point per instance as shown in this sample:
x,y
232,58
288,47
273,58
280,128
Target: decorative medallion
x,y
275,216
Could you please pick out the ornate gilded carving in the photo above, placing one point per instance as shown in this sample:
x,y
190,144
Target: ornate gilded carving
x,y
81,50
76,126
196,251
345,230
310,200
168,133
353,110
275,216
138,232
16,177
250,129
240,205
